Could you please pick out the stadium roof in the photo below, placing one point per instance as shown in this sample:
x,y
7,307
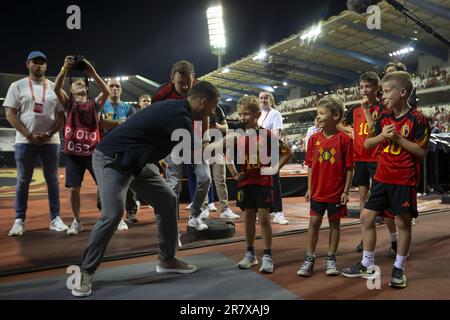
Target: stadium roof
x,y
341,52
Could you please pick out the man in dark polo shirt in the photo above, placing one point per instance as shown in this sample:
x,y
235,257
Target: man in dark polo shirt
x,y
126,156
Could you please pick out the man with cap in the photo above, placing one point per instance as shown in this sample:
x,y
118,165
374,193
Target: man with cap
x,y
33,109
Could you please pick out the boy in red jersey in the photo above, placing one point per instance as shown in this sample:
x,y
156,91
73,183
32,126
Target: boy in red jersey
x,y
255,183
403,134
362,118
330,167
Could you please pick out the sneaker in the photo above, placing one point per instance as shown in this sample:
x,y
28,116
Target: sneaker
x,y
197,223
279,218
85,289
174,266
398,279
75,228
131,218
266,264
189,206
180,245
205,213
413,221
122,226
58,225
228,214
331,265
212,207
307,267
360,247
358,270
248,261
17,229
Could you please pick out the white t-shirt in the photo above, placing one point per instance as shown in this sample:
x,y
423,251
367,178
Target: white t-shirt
x,y
271,119
19,97
309,133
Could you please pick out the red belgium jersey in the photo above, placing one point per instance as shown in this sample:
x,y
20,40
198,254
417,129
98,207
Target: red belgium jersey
x,y
257,154
396,165
360,132
329,159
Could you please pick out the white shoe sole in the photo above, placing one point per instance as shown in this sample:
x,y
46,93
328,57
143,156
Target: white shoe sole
x,y
254,263
81,294
266,271
15,234
184,271
57,229
332,272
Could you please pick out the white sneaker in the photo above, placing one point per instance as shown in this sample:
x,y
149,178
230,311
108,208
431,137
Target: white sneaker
x,y
180,245
212,207
197,223
122,226
205,213
17,229
189,206
85,288
228,214
58,225
280,219
75,228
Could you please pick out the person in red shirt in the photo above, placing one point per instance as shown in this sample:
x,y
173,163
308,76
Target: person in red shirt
x,y
402,134
329,158
255,182
362,118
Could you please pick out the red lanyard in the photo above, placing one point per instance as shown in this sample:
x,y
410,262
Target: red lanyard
x,y
32,91
262,124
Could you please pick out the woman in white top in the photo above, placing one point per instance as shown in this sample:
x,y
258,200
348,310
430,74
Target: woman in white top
x,y
272,120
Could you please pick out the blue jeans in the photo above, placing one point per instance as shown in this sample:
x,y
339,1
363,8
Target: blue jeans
x,y
192,184
25,156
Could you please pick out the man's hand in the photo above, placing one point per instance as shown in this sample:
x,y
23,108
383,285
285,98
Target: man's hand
x,y
388,132
344,198
308,196
69,63
239,176
90,70
35,138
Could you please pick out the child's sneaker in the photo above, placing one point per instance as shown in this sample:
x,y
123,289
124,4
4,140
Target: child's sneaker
x,y
248,261
75,228
398,279
266,264
307,267
358,270
331,265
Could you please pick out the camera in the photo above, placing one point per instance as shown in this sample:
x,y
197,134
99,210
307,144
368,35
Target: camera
x,y
80,65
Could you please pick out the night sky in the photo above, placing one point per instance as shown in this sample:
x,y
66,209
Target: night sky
x,y
147,37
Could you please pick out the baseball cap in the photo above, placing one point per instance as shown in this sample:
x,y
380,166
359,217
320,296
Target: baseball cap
x,y
36,54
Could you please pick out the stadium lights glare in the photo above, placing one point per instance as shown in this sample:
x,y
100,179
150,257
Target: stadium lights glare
x,y
225,70
401,52
312,33
216,30
285,84
1,99
261,55
275,87
229,99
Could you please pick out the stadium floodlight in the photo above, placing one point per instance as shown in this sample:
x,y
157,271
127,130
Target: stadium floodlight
x,y
401,52
261,55
285,84
216,31
312,33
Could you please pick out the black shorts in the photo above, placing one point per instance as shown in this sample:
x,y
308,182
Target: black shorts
x,y
254,197
391,199
364,172
335,210
76,166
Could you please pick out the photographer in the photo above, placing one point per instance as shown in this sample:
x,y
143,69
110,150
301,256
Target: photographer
x,y
82,131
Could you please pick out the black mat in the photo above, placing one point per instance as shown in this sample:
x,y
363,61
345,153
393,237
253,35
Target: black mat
x,y
217,279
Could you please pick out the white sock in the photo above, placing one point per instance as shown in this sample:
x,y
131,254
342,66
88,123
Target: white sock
x,y
393,236
400,262
368,258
